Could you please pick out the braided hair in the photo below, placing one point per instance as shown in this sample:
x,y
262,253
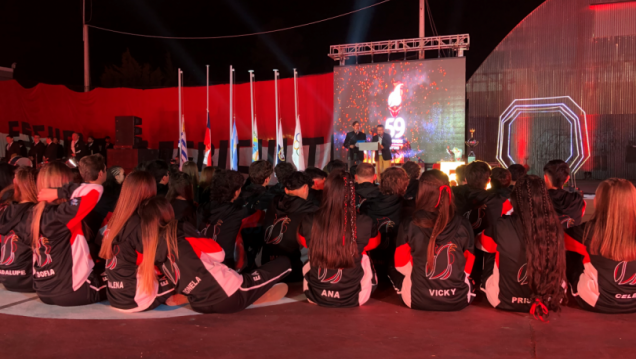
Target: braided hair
x,y
333,243
542,234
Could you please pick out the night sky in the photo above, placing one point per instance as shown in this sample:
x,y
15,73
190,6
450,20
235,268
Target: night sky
x,y
44,38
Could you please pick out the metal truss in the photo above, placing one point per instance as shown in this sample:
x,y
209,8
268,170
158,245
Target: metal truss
x,y
460,43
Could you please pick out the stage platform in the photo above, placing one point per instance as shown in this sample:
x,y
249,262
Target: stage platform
x,y
383,328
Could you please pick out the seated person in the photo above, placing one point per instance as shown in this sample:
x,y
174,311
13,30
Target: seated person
x,y
255,195
516,171
282,171
318,177
471,198
570,206
524,265
282,220
413,170
601,258
460,176
181,197
434,255
335,165
500,188
365,183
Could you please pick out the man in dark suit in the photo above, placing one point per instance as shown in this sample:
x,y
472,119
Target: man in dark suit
x,y
36,153
355,156
383,154
77,149
11,148
60,148
50,152
91,147
106,147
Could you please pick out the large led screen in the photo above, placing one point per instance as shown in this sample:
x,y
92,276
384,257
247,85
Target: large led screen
x,y
420,103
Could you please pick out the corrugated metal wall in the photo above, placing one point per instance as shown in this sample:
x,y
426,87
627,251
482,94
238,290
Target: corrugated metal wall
x,y
575,48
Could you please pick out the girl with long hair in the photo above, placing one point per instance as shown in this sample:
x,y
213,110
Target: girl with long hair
x,y
190,168
524,264
181,197
131,249
601,265
204,185
434,255
16,256
62,265
195,266
338,272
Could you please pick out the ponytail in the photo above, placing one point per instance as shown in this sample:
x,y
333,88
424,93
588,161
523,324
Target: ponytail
x,y
52,175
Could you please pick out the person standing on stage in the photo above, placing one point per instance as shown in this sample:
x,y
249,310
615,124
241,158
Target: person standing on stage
x,y
383,154
91,147
355,155
61,154
77,149
36,153
11,148
50,151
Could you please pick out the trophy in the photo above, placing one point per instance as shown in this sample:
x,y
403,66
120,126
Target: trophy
x,y
471,143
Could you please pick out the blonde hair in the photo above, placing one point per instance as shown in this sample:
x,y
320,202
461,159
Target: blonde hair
x,y
613,234
138,186
52,175
206,176
25,187
157,222
191,169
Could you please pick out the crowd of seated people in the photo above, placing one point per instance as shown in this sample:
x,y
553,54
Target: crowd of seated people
x,y
220,241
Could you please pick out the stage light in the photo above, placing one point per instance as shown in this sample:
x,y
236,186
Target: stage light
x,y
579,137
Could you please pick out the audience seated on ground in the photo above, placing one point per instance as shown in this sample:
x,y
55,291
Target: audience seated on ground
x,y
16,255
335,165
434,255
460,175
161,172
500,190
181,197
413,170
282,171
524,268
192,170
318,177
601,261
282,220
365,183
338,272
569,205
256,194
204,185
470,199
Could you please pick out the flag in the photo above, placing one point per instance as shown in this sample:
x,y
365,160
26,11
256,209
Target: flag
x,y
280,152
207,158
254,141
298,157
183,145
234,149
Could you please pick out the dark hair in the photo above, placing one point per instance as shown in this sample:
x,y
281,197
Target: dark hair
x,y
77,176
107,137
500,178
517,171
436,174
335,165
111,184
478,174
394,181
460,174
296,180
365,170
379,126
284,170
542,235
90,166
6,175
434,210
315,173
354,123
333,233
158,169
180,185
558,171
412,169
260,171
9,136
224,185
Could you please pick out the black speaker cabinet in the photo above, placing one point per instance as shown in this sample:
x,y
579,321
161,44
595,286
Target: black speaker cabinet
x,y
125,131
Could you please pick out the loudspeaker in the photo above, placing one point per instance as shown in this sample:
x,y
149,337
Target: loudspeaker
x,y
126,131
129,158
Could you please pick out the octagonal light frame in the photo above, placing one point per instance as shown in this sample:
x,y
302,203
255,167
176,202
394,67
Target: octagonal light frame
x,y
578,131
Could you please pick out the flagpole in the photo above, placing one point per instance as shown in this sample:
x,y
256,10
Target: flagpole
x,y
179,132
252,103
296,92
276,99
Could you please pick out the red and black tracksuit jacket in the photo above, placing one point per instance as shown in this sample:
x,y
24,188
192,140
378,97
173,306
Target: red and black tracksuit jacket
x,y
281,232
227,224
504,277
446,285
365,191
598,283
62,262
342,287
469,202
386,210
16,256
124,292
570,206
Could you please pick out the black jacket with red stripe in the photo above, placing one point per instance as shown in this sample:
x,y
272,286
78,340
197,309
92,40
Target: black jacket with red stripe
x,y
199,272
446,285
598,283
281,229
365,191
227,223
470,204
16,256
386,210
62,262
342,287
570,206
124,291
504,278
